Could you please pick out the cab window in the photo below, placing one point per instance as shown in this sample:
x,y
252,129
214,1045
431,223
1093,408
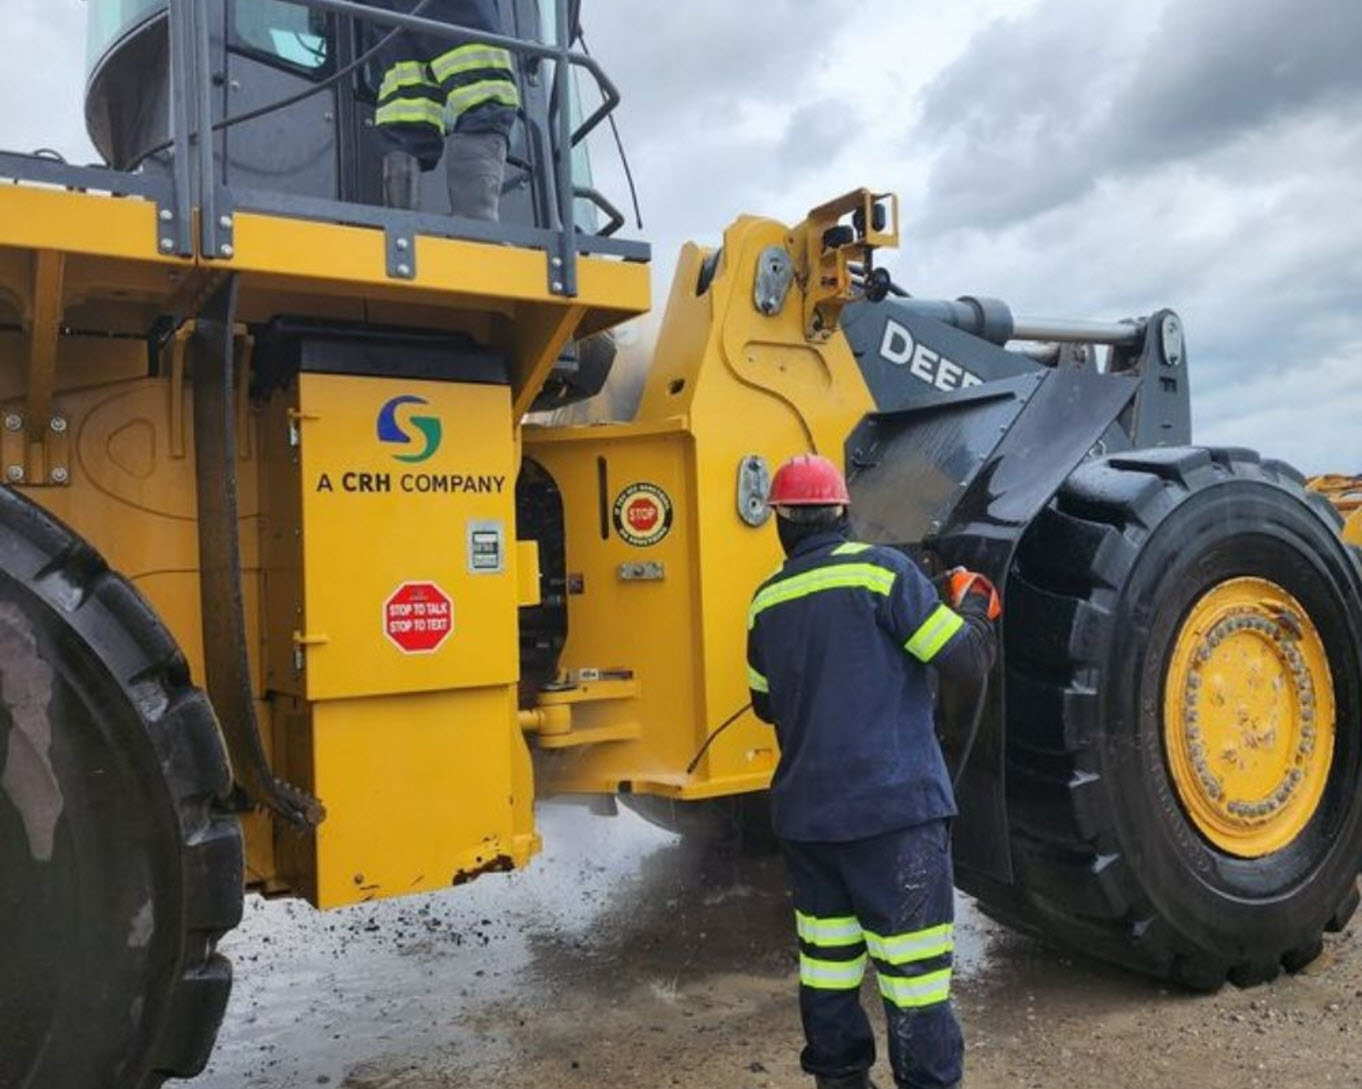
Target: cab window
x,y
283,32
109,20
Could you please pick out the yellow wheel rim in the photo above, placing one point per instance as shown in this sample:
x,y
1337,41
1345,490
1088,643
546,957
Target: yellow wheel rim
x,y
1248,713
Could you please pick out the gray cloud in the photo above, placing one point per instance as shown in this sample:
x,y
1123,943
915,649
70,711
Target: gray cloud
x,y
715,101
1215,69
690,64
817,132
1042,108
1203,156
42,77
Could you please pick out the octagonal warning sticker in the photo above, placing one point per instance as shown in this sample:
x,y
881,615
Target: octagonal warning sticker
x,y
418,617
643,514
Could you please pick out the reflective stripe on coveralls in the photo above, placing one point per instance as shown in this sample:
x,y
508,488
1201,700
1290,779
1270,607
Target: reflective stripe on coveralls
x,y
865,576
840,934
408,96
831,975
936,631
441,92
831,933
405,75
474,75
470,58
756,681
935,941
412,112
916,992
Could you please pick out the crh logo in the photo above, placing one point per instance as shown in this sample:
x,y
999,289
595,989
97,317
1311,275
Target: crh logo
x,y
391,431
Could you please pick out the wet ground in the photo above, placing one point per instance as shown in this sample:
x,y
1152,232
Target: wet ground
x,y
625,958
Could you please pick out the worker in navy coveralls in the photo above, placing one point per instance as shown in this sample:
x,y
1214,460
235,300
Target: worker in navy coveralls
x,y
442,99
840,641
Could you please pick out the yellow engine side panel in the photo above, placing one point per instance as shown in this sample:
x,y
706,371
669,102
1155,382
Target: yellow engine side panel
x,y
422,791
374,523
392,639
617,622
728,383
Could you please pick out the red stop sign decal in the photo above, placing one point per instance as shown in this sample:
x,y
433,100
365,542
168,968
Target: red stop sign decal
x,y
418,617
643,514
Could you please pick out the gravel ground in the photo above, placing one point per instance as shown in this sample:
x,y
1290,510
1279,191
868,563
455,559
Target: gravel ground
x,y
625,958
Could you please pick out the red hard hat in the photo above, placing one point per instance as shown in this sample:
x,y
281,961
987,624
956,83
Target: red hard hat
x,y
808,480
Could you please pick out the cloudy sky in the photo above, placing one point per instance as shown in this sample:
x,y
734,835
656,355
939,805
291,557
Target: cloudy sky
x,y
1079,158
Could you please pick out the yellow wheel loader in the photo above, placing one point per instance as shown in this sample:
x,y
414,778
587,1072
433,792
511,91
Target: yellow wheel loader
x,y
295,597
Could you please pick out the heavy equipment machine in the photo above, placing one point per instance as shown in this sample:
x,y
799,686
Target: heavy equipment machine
x,y
290,583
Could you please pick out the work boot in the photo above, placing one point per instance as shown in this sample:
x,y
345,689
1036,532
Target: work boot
x,y
401,180
845,1081
477,162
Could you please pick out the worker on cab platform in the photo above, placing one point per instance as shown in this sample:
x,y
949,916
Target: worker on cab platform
x,y
840,641
439,98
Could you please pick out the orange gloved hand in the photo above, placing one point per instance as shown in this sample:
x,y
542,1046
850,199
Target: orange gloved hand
x,y
961,583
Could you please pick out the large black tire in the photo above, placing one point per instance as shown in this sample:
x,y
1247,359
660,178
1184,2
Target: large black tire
x,y
1106,858
120,868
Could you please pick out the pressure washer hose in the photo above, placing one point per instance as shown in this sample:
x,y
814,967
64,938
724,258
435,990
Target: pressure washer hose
x,y
976,721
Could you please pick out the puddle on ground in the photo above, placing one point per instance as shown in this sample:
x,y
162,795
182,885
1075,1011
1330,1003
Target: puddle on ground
x,y
612,904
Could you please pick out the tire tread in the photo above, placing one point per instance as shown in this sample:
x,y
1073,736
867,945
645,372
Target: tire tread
x,y
119,626
1074,884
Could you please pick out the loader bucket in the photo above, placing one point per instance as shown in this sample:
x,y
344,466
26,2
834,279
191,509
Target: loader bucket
x,y
956,481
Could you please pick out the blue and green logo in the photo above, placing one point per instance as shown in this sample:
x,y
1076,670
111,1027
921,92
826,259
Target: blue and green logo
x,y
428,427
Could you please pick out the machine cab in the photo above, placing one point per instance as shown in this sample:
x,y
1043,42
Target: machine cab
x,y
293,88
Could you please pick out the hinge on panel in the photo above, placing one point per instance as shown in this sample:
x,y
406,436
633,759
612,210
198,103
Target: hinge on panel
x,y
301,642
296,419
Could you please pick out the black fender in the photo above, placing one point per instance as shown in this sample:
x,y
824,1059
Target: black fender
x,y
956,480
